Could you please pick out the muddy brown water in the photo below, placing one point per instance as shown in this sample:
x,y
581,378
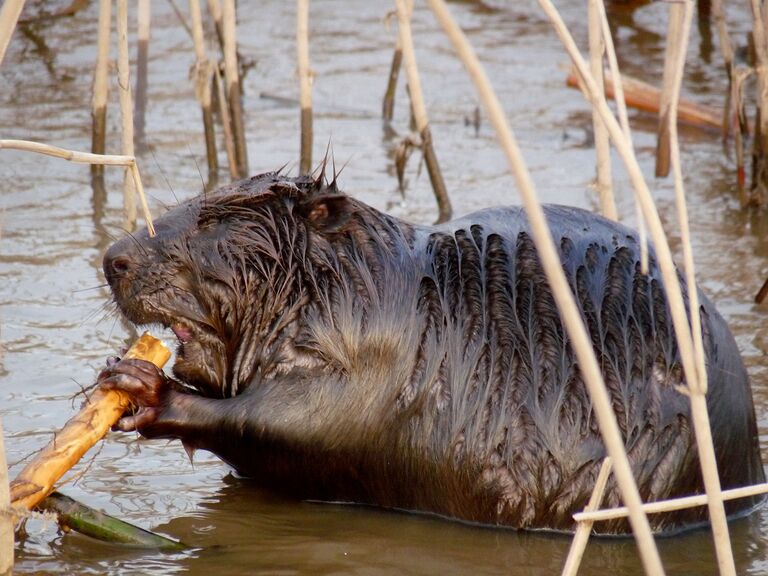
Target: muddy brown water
x,y
57,326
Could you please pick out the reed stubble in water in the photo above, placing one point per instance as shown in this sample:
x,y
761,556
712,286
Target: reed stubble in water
x,y
142,65
203,80
100,86
305,84
420,112
232,76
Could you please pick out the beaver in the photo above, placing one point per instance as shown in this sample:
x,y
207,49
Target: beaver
x,y
336,353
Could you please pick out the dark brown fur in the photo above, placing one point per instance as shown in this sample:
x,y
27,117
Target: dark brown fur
x,y
337,353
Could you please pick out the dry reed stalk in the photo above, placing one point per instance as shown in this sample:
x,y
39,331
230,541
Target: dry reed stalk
x,y
626,151
85,158
226,123
420,111
9,17
182,19
759,188
726,48
101,86
682,15
6,514
126,110
671,57
564,298
142,56
670,505
602,143
229,30
581,537
99,413
621,108
742,132
677,309
203,79
214,7
388,105
305,85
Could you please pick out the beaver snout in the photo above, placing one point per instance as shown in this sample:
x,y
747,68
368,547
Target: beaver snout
x,y
117,262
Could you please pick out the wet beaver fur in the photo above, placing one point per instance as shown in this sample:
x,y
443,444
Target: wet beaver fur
x,y
336,353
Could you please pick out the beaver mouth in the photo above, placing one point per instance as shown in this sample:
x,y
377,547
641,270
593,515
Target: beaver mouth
x,y
198,347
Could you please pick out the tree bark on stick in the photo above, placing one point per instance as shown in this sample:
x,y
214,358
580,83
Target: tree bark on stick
x,y
100,412
420,112
305,85
101,86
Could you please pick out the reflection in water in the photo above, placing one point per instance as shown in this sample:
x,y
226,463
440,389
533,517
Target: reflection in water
x,y
55,231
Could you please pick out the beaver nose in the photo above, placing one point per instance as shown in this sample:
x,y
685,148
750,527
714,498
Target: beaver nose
x,y
116,265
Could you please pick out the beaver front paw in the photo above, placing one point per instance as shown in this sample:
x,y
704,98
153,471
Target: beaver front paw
x,y
147,385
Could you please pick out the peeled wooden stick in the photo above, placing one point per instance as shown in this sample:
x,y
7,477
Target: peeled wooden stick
x,y
643,96
100,412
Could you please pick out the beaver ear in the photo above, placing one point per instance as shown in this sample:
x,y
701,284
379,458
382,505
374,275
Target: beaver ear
x,y
326,213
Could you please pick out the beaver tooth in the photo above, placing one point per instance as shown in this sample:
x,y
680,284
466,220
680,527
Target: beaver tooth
x,y
183,333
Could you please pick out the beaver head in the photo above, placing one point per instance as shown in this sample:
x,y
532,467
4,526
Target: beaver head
x,y
228,273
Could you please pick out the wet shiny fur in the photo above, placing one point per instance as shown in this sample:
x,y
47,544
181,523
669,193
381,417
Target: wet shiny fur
x,y
336,353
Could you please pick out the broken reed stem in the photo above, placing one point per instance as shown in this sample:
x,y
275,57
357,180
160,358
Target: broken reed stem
x,y
681,15
305,85
388,106
214,7
6,515
229,32
126,110
226,123
101,85
742,131
420,111
621,108
674,29
85,158
726,48
602,143
142,56
581,537
561,290
759,187
203,79
670,505
9,17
